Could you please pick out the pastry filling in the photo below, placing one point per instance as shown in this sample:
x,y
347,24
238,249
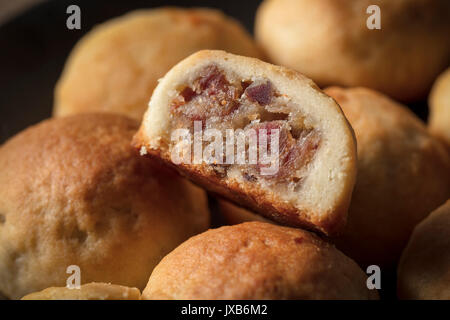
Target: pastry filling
x,y
273,123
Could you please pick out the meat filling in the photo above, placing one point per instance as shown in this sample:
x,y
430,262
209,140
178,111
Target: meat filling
x,y
210,95
247,104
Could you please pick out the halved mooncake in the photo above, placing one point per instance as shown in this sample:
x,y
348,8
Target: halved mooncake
x,y
260,135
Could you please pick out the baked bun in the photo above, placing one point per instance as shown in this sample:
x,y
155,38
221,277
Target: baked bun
x,y
230,213
329,41
424,269
90,291
74,192
257,260
439,118
116,66
403,174
307,181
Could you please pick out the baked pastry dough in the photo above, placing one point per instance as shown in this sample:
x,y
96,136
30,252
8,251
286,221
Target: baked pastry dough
x,y
90,291
307,181
257,260
116,66
329,41
403,174
74,192
424,269
439,118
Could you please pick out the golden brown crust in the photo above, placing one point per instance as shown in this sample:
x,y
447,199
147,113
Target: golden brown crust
x,y
342,50
257,260
90,291
402,176
116,66
73,191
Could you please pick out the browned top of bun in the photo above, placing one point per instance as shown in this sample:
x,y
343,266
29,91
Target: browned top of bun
x,y
257,260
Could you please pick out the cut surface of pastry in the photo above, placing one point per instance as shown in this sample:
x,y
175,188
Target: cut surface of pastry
x,y
258,134
256,260
89,291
